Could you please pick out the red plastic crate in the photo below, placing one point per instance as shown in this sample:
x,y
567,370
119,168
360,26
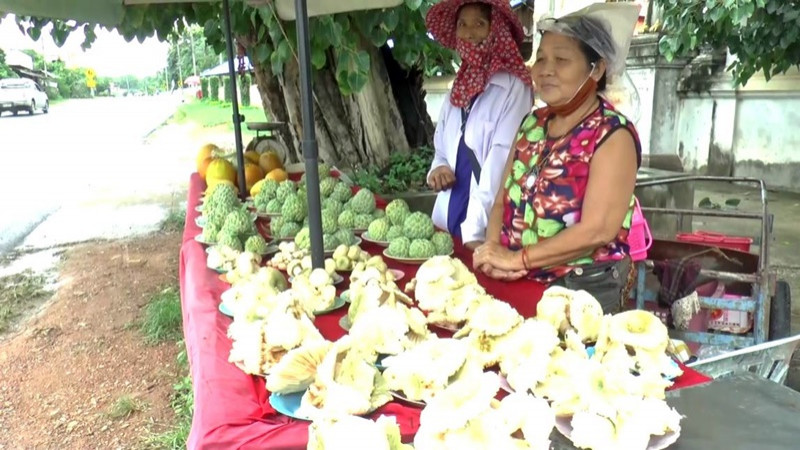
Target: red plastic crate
x,y
720,240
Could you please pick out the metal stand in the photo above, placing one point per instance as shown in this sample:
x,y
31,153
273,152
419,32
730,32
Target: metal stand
x,y
309,143
237,118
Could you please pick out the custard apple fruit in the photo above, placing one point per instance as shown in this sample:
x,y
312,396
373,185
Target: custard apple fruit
x,y
418,225
363,202
399,247
397,211
341,193
303,238
421,248
294,209
395,231
230,240
347,219
255,244
378,229
443,242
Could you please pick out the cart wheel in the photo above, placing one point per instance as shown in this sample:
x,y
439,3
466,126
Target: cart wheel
x,y
780,312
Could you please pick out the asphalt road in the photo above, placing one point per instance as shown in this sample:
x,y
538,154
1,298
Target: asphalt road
x,y
80,149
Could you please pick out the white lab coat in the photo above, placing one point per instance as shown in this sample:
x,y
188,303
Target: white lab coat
x,y
491,129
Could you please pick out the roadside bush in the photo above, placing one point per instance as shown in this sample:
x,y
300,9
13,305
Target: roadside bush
x,y
214,88
246,82
204,87
226,83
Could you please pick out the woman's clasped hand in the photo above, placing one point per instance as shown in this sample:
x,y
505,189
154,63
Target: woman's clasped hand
x,y
497,261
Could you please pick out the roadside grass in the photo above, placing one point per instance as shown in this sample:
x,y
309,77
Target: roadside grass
x,y
174,220
182,403
126,406
17,293
162,317
209,114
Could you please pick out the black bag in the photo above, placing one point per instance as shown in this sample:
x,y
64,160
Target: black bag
x,y
606,281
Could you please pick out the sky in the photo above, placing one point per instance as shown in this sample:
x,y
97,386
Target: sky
x,y
109,56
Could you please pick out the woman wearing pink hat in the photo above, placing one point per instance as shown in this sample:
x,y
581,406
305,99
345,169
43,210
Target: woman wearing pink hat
x,y
491,95
565,209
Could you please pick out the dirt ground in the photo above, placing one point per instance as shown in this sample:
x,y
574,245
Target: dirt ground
x,y
61,375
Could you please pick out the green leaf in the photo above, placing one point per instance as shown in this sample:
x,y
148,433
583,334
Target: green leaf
x,y
318,57
733,202
529,237
581,261
509,181
515,194
528,123
547,228
535,134
518,169
533,161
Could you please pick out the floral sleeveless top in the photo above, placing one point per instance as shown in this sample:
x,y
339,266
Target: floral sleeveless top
x,y
545,189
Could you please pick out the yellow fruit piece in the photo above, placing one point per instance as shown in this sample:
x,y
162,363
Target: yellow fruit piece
x,y
270,161
251,156
257,187
277,175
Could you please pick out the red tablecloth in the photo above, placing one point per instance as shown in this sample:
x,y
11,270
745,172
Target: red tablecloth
x,y
232,408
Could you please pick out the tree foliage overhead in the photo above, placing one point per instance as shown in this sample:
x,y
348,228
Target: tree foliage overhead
x,y
764,35
335,40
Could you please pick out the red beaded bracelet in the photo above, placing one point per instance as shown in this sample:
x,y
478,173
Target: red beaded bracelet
x,y
525,258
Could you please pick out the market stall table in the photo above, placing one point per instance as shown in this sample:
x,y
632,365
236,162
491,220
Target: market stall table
x,y
232,408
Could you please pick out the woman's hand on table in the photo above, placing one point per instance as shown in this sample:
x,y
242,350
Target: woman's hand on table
x,y
442,178
497,261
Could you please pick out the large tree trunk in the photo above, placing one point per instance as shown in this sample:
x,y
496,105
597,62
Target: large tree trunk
x,y
388,115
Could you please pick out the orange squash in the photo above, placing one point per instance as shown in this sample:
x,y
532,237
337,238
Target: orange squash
x,y
270,161
221,169
252,174
206,151
203,168
277,175
251,156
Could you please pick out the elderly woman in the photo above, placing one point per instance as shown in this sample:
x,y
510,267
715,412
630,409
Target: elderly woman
x,y
564,211
491,95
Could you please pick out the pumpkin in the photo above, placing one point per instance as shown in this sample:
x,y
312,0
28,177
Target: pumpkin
x,y
251,156
206,151
203,168
270,161
252,174
221,169
277,175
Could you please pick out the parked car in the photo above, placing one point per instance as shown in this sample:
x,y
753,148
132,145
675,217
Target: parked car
x,y
22,94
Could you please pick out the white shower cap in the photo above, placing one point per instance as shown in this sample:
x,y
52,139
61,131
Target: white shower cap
x,y
605,27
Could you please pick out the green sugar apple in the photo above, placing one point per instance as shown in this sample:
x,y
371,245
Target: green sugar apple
x,y
329,221
223,194
378,214
303,238
399,247
289,229
341,193
326,186
238,221
210,232
362,221
443,242
230,240
363,202
275,224
334,205
255,244
329,242
395,231
418,225
324,170
284,189
345,236
294,209
347,219
421,248
397,211
378,229
269,189
274,206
